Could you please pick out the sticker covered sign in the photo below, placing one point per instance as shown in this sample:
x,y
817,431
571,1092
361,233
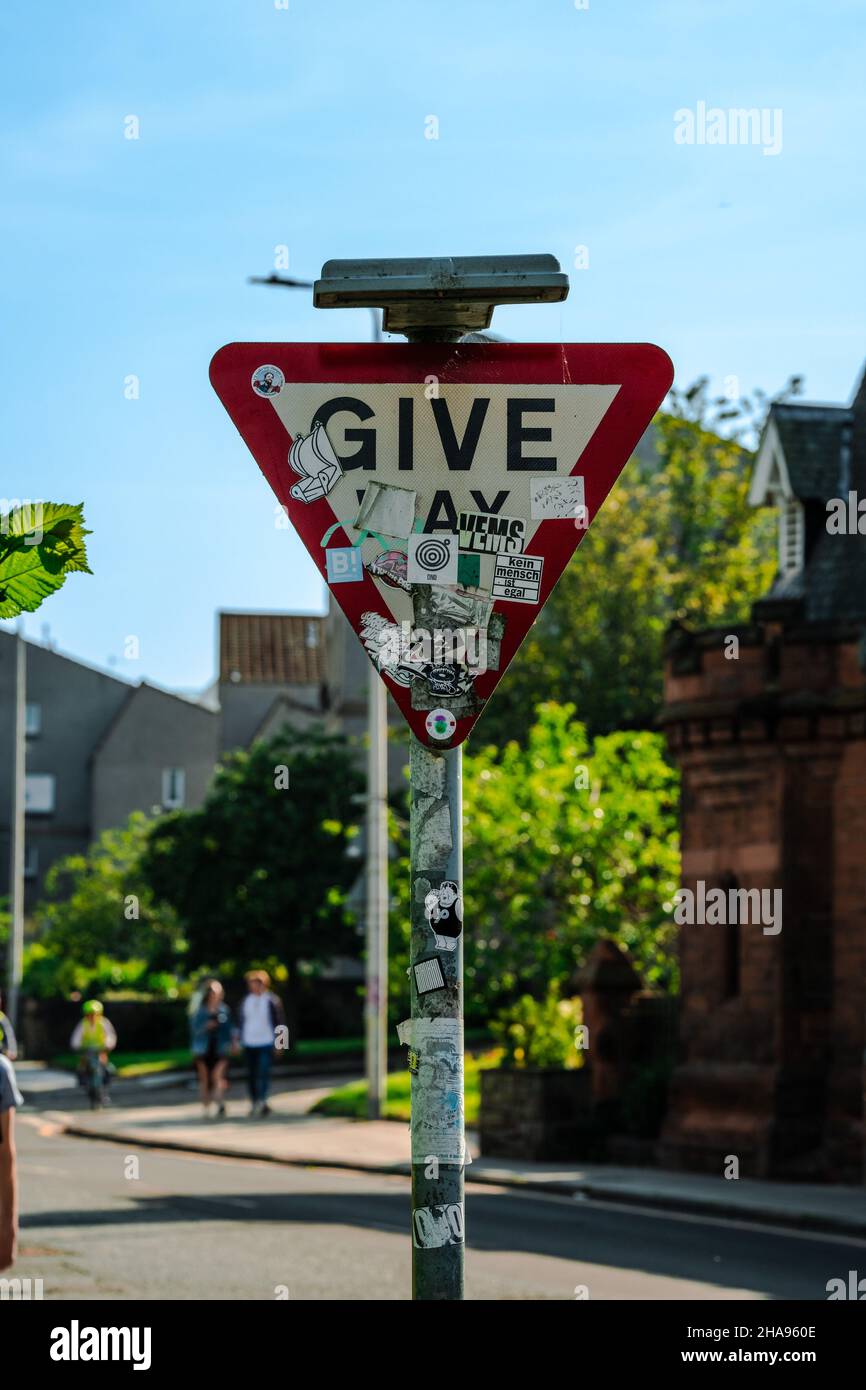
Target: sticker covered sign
x,y
441,489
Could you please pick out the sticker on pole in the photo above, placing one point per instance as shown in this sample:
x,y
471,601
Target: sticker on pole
x,y
441,489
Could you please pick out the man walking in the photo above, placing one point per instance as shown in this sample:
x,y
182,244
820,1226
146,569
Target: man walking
x,y
261,1013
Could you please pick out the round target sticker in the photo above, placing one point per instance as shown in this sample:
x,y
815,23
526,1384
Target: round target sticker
x,y
440,724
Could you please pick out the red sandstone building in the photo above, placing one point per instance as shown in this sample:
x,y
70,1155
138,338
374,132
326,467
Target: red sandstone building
x,y
771,744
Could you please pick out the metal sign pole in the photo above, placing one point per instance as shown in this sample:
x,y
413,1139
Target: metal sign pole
x,y
377,895
437,1124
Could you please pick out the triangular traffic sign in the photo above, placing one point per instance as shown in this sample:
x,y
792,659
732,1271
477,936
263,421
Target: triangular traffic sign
x,y
441,488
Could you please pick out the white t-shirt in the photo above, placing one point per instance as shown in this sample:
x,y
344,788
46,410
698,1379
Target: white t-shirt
x,y
257,1029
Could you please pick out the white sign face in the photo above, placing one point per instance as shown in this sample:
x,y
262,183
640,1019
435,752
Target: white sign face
x,y
489,446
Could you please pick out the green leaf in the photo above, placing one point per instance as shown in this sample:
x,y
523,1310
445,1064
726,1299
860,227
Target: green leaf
x,y
40,543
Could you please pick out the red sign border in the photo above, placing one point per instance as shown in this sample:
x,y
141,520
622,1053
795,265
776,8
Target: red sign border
x,y
643,372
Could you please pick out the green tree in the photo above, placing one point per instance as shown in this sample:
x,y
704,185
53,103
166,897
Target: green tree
x,y
565,840
99,911
260,871
675,540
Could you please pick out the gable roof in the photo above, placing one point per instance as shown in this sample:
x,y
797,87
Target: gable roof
x,y
803,446
271,648
814,453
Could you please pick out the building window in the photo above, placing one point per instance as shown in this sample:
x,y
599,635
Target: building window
x,y
39,793
791,536
32,720
173,788
731,962
31,861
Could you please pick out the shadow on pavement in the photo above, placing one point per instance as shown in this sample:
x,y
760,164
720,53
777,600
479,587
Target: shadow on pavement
x,y
778,1265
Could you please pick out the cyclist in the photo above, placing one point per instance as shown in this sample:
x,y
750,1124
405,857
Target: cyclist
x,y
94,1036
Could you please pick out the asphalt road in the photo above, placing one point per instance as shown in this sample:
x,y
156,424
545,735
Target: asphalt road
x,y
189,1227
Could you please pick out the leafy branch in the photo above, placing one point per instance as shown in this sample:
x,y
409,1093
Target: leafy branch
x,y
40,543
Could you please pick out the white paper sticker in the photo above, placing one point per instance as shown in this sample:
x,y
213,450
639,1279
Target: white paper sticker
x,y
488,533
432,558
518,578
437,1090
387,509
556,498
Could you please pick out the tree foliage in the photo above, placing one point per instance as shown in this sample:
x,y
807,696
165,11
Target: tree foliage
x,y
260,871
99,912
566,840
675,540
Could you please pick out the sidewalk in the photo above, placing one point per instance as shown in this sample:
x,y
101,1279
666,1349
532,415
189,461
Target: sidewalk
x,y
292,1136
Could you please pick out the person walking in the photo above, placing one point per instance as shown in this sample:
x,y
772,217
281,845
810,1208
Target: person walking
x,y
261,1013
211,1041
8,1043
10,1097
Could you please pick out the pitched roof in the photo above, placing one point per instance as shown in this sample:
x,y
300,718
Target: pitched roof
x,y
812,439
823,458
271,648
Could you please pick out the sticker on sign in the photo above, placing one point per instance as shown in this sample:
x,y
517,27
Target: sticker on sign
x,y
473,486
518,579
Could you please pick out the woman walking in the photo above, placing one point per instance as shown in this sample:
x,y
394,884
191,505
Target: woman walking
x,y
211,1043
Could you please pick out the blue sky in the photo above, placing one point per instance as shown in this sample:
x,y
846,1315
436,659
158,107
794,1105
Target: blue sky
x,y
305,127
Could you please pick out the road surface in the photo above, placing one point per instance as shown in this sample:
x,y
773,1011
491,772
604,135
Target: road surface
x,y
103,1223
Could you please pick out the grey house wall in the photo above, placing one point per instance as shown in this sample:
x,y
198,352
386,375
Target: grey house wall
x,y
77,703
245,704
153,731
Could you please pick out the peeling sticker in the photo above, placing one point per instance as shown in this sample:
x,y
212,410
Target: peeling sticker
x,y
555,498
436,1226
437,1106
388,509
404,1032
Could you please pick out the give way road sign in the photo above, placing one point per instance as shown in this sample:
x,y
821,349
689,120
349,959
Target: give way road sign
x,y
441,489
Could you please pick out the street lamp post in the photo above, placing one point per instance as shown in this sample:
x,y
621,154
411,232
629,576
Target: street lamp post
x,y
376,834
